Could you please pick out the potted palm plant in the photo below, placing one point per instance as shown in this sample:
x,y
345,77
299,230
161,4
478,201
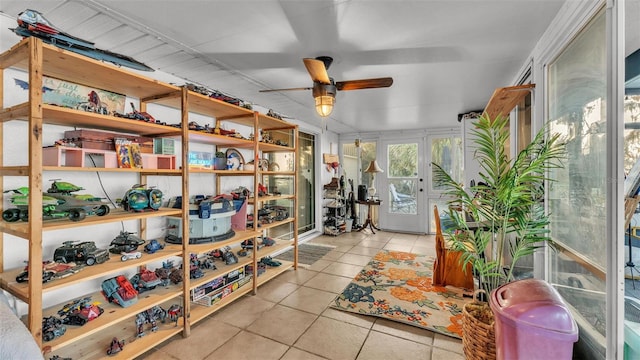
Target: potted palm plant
x,y
501,219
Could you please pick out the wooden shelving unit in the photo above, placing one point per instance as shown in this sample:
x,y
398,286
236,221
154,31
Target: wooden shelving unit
x,y
90,340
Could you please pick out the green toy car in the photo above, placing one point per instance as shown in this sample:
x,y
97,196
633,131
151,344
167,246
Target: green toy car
x,y
58,202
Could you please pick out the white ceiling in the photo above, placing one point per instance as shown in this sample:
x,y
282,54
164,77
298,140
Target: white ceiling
x,y
446,57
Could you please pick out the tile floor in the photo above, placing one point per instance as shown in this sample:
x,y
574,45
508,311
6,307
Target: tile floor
x,y
289,317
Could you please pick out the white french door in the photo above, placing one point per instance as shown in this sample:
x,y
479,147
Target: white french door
x,y
401,185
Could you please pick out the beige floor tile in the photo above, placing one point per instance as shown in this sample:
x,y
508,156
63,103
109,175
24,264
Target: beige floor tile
x,y
424,250
155,354
447,343
403,239
371,244
299,276
297,354
282,324
363,250
344,248
355,259
437,354
404,331
398,247
351,318
347,240
309,300
276,290
205,338
319,265
380,346
323,240
340,269
333,255
328,282
332,339
244,311
247,346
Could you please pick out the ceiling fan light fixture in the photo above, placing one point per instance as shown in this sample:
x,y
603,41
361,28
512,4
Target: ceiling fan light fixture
x,y
324,105
325,97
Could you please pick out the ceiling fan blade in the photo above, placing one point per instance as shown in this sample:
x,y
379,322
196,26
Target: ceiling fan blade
x,y
287,89
364,84
317,70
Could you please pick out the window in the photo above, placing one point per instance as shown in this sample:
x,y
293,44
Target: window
x,y
577,198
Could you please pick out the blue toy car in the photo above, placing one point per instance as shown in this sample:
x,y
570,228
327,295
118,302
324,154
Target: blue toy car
x,y
153,246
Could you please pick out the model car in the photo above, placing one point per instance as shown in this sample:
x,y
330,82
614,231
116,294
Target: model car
x,y
24,276
33,23
153,246
141,198
125,242
145,280
50,270
52,328
84,252
58,202
80,311
195,273
118,290
130,255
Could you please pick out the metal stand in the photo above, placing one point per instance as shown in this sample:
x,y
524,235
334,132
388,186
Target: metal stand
x,y
630,264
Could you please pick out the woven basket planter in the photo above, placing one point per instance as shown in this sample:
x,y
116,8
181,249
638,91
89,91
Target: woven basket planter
x,y
478,337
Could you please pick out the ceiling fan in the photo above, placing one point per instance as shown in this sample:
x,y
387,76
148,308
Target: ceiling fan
x,y
324,88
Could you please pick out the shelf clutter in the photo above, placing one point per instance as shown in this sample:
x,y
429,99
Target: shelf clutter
x,y
195,279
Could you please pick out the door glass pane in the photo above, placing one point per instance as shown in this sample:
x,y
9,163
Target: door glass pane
x,y
402,172
367,154
447,152
577,202
284,184
306,188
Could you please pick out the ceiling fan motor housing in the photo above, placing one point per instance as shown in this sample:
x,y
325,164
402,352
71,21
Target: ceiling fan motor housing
x,y
324,90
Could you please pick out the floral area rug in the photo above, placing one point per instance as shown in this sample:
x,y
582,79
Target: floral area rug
x,y
397,286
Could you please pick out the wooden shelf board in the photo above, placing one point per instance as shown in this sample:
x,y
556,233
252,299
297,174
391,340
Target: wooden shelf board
x,y
222,269
207,106
276,173
57,115
113,314
14,171
223,172
94,345
269,250
219,140
200,312
505,99
266,198
264,147
79,69
161,172
272,272
274,224
237,238
21,229
112,266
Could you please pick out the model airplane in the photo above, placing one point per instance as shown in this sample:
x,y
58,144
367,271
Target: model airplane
x,y
33,23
